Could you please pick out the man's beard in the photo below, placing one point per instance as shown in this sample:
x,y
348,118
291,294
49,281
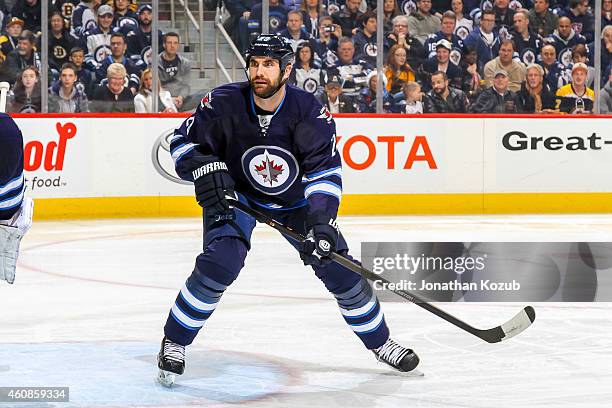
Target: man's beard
x,y
266,92
439,91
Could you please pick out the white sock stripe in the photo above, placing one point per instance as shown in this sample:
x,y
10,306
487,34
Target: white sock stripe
x,y
196,303
360,311
186,320
370,325
12,185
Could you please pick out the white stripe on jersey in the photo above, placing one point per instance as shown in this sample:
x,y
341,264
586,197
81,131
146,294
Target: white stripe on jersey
x,y
11,185
323,187
176,155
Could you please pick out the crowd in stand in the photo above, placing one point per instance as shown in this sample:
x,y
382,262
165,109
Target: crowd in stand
x,y
440,56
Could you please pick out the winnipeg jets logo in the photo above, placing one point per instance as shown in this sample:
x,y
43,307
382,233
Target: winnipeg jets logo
x,y
206,100
270,169
325,114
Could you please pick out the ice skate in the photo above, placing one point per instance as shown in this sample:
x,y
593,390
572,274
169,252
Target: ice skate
x,y
171,362
401,358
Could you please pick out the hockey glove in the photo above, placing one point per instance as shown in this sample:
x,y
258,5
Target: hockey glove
x,y
321,240
212,183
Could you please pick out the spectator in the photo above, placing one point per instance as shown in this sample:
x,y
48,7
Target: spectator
x,y
113,95
60,41
390,11
606,13
581,19
84,17
251,27
528,43
294,31
348,17
97,39
66,8
581,54
464,25
443,98
174,70
365,39
498,98
20,58
25,95
535,94
400,35
29,12
366,102
422,23
542,20
143,101
470,74
441,62
304,74
564,39
67,95
237,24
335,100
123,14
447,32
413,97
505,62
139,38
483,39
311,11
349,70
84,75
504,17
8,42
555,74
606,51
398,71
326,45
576,97
605,105
118,48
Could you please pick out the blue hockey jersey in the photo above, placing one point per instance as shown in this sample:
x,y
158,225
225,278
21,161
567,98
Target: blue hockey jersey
x,y
282,160
12,184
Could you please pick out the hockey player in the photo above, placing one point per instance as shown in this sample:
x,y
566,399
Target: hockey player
x,y
274,146
15,210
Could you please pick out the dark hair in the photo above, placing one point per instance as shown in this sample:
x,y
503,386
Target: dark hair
x,y
55,13
575,3
69,65
19,89
487,12
580,50
118,34
440,73
76,49
506,42
365,17
300,47
171,34
468,50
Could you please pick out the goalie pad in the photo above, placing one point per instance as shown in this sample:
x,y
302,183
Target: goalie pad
x,y
11,233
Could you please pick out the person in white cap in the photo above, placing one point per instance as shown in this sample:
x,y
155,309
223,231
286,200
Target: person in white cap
x,y
576,97
498,98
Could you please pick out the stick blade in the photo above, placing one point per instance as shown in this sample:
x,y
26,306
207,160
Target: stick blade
x,y
511,328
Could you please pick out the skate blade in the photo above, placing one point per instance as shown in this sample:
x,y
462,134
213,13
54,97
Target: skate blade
x,y
166,378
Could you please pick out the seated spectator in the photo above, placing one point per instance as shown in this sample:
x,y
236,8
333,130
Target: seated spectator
x,y
542,19
174,70
29,12
581,19
312,11
463,25
118,48
400,35
139,38
113,95
67,95
304,74
66,8
84,75
441,62
123,14
335,100
25,94
443,98
516,70
483,39
143,101
605,104
250,28
504,17
21,57
413,98
535,94
527,43
366,101
606,51
294,31
447,33
576,97
326,46
60,41
398,71
365,38
8,41
470,74
390,11
581,54
348,17
84,17
564,39
97,39
422,23
350,71
498,98
606,13
555,74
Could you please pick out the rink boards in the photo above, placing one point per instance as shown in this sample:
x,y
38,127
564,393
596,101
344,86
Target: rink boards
x,y
120,166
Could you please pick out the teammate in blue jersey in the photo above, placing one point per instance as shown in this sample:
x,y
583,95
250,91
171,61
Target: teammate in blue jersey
x,y
15,210
273,146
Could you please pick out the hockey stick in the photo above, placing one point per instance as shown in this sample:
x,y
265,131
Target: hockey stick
x,y
4,88
496,334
